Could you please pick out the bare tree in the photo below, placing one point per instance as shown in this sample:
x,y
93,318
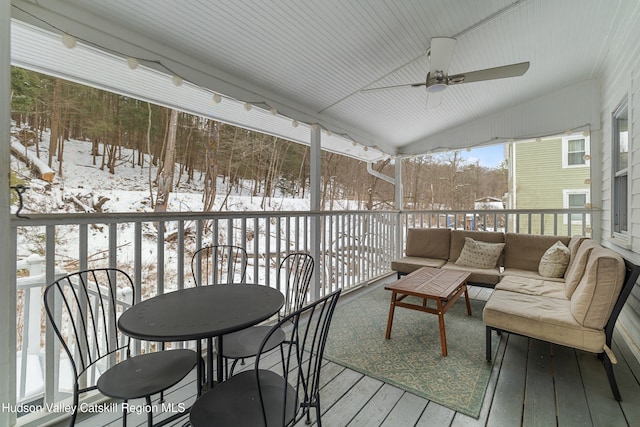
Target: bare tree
x,y
165,178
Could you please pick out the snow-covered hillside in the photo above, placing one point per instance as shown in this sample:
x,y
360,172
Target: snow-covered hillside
x,y
81,183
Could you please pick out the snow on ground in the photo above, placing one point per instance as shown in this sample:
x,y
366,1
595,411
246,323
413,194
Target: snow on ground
x,y
83,183
127,189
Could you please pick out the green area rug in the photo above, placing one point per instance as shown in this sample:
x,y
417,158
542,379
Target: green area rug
x,y
412,359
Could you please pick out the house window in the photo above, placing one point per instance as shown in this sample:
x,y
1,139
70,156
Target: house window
x,y
620,145
575,151
576,199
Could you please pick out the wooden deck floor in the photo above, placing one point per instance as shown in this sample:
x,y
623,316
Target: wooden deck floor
x,y
532,384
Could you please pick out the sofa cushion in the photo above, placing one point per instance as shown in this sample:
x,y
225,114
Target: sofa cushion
x,y
479,254
576,267
524,251
547,319
574,245
458,241
554,261
529,274
485,276
409,264
532,286
598,290
428,242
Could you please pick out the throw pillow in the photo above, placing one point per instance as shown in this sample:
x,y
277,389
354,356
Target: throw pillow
x,y
479,254
554,261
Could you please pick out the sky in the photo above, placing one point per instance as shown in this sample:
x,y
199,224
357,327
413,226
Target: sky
x,y
489,156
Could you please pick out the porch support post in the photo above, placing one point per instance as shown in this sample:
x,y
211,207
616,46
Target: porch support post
x,y
7,253
596,181
315,220
399,196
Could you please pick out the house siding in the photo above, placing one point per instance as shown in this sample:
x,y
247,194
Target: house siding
x,y
621,78
541,180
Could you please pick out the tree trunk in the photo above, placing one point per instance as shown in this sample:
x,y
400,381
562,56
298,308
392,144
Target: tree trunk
x,y
55,121
165,180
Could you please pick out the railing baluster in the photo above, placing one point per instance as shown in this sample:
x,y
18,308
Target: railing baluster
x,y
137,274
267,249
256,258
160,257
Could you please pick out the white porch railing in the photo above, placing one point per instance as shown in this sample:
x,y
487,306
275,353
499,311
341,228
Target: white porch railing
x,y
351,249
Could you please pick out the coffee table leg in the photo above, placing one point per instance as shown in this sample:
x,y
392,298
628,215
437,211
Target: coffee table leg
x,y
443,337
466,298
392,308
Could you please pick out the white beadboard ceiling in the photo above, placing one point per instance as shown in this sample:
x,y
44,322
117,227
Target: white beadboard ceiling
x,y
310,59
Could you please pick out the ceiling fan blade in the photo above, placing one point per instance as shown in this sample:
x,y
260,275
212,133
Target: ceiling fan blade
x,y
433,99
513,70
378,89
440,53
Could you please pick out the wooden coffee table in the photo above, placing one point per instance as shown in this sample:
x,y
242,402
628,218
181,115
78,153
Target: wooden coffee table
x,y
440,285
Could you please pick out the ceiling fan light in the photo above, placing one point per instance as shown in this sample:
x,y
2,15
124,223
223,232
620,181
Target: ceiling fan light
x,y
436,87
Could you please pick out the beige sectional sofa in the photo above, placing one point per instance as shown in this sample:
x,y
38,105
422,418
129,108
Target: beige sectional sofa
x,y
580,313
577,309
441,248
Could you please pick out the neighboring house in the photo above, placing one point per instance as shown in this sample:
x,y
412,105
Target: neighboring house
x,y
488,203
491,222
550,173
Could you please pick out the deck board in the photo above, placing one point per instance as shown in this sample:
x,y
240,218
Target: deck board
x,y
529,382
374,412
604,409
436,415
348,407
628,385
572,405
406,412
539,401
506,408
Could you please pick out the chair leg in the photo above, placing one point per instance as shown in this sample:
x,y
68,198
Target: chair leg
x,y
75,407
233,367
488,344
318,420
149,411
608,367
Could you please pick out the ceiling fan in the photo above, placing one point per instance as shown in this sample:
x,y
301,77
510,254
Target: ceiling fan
x,y
438,78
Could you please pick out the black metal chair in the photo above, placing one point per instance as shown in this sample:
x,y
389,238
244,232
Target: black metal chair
x,y
83,309
219,264
280,397
294,277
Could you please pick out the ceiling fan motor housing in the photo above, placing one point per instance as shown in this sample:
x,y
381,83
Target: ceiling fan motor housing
x,y
437,83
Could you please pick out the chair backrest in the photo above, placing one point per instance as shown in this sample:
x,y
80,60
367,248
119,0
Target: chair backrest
x,y
295,274
219,264
306,332
83,308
